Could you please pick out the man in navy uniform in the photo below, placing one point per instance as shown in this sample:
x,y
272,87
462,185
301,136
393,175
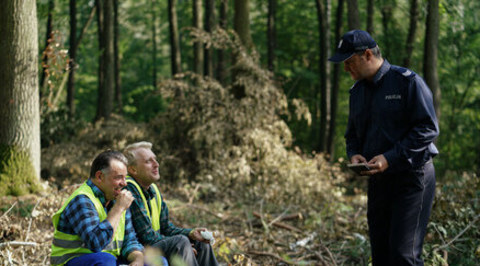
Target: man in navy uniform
x,y
391,126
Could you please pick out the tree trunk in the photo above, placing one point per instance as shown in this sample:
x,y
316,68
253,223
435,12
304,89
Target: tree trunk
x,y
48,36
72,56
335,85
412,30
197,46
387,15
101,48
19,98
241,22
271,33
174,37
107,91
430,54
323,32
370,15
118,80
353,16
209,25
221,63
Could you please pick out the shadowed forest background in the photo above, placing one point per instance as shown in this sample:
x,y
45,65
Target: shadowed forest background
x,y
244,112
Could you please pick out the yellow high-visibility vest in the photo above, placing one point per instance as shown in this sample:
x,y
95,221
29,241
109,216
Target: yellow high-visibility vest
x,y
66,246
155,204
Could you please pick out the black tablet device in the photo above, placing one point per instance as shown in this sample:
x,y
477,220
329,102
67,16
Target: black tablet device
x,y
358,167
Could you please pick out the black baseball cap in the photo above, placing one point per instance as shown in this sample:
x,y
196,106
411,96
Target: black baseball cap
x,y
352,42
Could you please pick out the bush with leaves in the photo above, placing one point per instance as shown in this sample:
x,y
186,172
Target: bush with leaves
x,y
235,143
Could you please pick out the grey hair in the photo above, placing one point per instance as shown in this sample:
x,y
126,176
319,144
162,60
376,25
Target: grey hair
x,y
376,52
129,151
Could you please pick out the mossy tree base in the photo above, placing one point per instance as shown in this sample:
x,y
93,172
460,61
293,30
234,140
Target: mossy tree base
x,y
17,174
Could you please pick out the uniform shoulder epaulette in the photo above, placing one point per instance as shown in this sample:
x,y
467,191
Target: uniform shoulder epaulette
x,y
404,71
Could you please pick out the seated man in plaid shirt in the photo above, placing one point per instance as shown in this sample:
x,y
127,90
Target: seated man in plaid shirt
x,y
94,225
150,213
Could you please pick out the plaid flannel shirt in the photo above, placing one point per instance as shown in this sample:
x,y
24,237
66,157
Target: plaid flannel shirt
x,y
142,223
81,218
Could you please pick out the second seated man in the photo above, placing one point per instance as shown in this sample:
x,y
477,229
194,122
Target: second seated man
x,y
150,213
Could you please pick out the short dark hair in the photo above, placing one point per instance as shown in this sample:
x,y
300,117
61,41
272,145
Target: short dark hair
x,y
102,161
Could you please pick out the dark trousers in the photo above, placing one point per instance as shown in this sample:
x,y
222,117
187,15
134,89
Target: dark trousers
x,y
179,245
398,211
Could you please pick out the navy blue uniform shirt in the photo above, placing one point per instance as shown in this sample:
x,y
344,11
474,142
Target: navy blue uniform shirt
x,y
393,115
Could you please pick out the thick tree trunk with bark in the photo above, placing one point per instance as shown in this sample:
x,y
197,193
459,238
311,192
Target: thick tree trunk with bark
x,y
431,53
19,97
412,30
197,46
241,22
174,38
271,33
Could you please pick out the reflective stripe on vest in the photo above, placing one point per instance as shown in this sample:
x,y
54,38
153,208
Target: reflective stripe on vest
x,y
66,246
155,204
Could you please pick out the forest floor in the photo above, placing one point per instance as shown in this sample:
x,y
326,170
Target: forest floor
x,y
315,229
256,234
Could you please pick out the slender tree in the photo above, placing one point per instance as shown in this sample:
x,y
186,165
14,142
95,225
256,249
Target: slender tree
x,y
353,16
412,30
197,46
174,37
107,90
387,15
101,48
271,33
48,36
19,97
241,25
370,15
209,26
221,62
324,93
335,84
72,53
241,22
431,53
116,58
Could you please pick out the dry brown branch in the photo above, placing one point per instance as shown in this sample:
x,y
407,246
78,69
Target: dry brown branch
x,y
278,224
13,205
262,253
18,244
218,215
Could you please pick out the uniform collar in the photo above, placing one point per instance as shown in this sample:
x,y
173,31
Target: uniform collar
x,y
384,68
97,192
149,192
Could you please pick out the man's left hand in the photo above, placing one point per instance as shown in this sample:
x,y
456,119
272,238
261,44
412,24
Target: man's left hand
x,y
377,164
196,235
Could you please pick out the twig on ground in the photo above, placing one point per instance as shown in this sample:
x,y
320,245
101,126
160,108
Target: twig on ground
x,y
262,253
218,215
278,224
18,243
13,205
460,234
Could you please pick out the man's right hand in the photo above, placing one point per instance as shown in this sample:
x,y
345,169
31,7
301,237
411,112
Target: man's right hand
x,y
124,199
358,158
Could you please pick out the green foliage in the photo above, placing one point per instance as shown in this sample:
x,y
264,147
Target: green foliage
x,y
17,174
142,104
58,126
455,227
